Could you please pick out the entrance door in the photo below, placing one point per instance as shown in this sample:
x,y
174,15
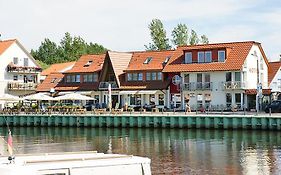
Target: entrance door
x,y
114,100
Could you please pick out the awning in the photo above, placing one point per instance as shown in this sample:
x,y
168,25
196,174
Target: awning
x,y
127,92
147,92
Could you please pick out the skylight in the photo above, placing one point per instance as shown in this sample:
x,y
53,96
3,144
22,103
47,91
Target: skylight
x,y
148,59
88,63
167,59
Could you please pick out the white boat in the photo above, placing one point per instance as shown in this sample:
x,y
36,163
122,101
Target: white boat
x,y
79,163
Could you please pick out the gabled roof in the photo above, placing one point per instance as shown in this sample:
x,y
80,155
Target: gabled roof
x,y
236,53
4,45
274,67
56,68
119,62
88,63
158,58
51,81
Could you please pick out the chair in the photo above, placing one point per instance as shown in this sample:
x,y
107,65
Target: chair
x,y
117,110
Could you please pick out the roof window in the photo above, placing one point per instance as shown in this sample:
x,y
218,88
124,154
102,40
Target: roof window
x,y
88,63
53,80
148,59
167,59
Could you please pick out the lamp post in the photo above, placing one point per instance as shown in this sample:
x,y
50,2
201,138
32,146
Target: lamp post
x,y
258,82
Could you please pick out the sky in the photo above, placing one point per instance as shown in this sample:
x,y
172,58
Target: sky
x,y
122,25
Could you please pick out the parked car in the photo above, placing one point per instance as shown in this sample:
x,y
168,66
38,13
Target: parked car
x,y
275,106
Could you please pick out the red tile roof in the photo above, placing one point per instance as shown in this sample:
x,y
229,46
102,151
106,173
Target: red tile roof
x,y
51,81
55,68
274,67
4,45
95,63
156,63
236,53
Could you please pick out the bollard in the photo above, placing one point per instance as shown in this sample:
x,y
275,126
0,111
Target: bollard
x,y
269,111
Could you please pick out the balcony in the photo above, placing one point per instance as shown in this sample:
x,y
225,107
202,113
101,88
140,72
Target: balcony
x,y
19,69
15,86
231,85
104,85
198,86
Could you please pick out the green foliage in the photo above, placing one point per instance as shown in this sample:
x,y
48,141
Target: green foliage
x,y
180,35
204,39
42,64
69,49
158,36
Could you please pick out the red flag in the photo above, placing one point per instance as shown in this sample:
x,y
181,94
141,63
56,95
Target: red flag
x,y
10,144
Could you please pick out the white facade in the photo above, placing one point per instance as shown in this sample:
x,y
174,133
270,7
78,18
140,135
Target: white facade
x,y
23,77
225,89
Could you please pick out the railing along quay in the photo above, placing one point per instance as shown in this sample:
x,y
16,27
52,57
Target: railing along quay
x,y
146,121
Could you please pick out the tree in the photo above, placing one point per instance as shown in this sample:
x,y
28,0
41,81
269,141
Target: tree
x,y
194,40
180,35
204,39
158,36
69,49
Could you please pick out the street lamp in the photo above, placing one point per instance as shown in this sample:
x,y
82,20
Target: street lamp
x,y
259,88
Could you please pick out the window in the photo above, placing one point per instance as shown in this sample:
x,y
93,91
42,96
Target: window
x,y
25,62
135,77
228,76
77,78
135,99
68,78
207,83
148,59
199,81
159,76
200,57
95,77
16,60
221,56
148,76
167,59
237,76
153,76
188,57
139,76
186,78
161,99
72,78
88,63
238,100
15,78
228,99
208,57
129,77
53,80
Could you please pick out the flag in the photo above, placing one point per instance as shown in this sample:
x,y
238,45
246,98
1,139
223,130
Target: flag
x,y
10,144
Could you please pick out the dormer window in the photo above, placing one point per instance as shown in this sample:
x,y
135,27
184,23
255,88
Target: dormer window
x,y
53,80
201,57
221,56
187,57
148,59
88,63
208,57
167,59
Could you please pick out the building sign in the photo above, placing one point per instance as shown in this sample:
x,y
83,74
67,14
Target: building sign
x,y
176,80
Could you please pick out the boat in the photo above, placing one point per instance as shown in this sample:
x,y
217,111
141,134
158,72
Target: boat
x,y
75,163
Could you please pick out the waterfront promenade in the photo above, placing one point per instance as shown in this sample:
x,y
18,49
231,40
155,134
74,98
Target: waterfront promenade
x,y
240,120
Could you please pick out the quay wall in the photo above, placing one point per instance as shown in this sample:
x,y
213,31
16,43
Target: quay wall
x,y
145,121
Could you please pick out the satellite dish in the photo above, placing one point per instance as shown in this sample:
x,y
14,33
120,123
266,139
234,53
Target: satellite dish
x,y
176,80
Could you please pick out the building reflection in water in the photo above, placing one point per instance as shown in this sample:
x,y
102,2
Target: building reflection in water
x,y
173,151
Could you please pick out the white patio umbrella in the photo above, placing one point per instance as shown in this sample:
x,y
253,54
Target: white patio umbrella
x,y
8,97
109,97
73,96
38,97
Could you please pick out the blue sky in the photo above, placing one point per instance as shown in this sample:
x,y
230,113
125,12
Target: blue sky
x,y
122,25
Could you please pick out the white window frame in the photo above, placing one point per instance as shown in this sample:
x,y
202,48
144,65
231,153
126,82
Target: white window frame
x,y
77,78
187,60
159,75
219,59
198,57
148,76
129,77
211,59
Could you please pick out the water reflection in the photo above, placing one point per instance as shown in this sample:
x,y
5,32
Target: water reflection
x,y
172,151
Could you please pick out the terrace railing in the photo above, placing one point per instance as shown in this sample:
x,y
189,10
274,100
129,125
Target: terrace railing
x,y
104,85
195,86
22,86
23,69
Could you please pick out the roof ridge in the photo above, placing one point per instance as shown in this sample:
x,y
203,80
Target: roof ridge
x,y
8,40
148,51
234,42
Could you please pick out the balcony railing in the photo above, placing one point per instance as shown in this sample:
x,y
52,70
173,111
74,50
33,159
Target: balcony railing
x,y
104,85
23,69
22,86
233,85
193,86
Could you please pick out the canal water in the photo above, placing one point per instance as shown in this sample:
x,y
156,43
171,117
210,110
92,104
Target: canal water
x,y
172,151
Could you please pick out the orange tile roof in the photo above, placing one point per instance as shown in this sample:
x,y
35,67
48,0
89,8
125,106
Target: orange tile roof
x,y
96,65
274,67
236,53
4,45
55,68
47,84
156,63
